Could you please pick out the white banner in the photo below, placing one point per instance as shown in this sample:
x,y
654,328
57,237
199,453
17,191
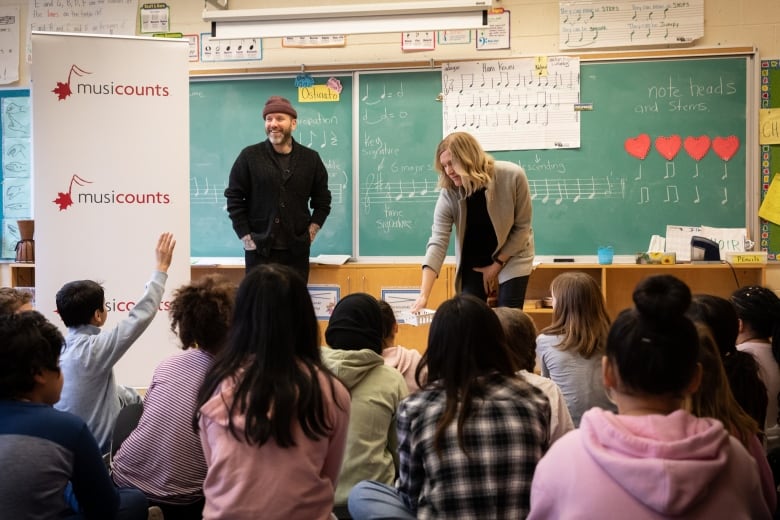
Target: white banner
x,y
110,173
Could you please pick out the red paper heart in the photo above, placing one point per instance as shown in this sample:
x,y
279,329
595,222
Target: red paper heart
x,y
638,146
725,147
697,147
668,146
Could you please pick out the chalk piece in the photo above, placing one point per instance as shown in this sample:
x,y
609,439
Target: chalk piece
x,y
583,107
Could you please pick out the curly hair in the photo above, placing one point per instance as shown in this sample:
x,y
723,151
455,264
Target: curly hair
x,y
201,312
12,299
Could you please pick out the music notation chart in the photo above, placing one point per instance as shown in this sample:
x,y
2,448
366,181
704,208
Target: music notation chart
x,y
623,23
517,104
557,191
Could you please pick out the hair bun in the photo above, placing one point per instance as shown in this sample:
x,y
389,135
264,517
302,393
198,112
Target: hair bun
x,y
662,297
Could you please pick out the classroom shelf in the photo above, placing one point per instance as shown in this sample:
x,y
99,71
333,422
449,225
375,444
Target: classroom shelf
x,y
22,274
368,278
617,281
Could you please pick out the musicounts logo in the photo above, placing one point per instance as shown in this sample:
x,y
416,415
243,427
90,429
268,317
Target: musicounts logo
x,y
65,200
63,90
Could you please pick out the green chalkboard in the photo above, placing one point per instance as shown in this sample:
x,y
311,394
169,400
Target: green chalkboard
x,y
600,194
226,116
594,195
616,188
400,126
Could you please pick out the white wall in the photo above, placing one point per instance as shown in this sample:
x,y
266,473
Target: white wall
x,y
534,30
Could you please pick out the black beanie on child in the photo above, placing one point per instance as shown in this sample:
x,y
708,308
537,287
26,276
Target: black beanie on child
x,y
356,323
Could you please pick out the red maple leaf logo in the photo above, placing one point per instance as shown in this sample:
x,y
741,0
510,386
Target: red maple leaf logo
x,y
64,200
63,89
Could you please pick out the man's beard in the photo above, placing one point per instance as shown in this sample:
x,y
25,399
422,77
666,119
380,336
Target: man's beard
x,y
278,137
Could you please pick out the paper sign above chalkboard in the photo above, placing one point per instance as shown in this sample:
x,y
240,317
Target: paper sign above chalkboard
x,y
586,24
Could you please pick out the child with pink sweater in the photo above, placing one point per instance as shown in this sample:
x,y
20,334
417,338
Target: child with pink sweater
x,y
403,359
654,459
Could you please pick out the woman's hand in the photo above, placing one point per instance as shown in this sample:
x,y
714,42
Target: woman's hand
x,y
419,304
490,277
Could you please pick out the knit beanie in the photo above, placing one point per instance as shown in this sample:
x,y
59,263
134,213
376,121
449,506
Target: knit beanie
x,y
356,323
279,105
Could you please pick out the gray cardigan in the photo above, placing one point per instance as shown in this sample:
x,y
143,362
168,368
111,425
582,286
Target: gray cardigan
x,y
509,208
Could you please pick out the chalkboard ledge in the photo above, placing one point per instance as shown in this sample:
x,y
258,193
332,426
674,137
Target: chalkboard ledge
x,y
581,259
236,261
226,261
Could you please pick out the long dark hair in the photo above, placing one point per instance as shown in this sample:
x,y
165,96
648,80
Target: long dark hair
x,y
759,309
273,354
655,346
465,343
741,368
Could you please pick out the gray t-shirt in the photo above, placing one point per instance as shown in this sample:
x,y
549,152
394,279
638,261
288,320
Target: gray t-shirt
x,y
578,378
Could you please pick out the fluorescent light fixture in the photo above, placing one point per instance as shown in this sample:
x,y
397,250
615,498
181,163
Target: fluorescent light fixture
x,y
428,15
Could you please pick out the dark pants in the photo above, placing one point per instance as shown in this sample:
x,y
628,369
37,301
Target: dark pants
x,y
132,505
278,256
510,293
192,511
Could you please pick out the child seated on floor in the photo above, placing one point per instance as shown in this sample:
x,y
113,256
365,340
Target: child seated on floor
x,y
469,439
14,300
42,449
163,456
520,333
403,359
653,459
88,358
354,337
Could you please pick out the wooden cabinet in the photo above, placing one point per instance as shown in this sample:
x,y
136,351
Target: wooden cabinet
x,y
617,282
376,278
368,278
22,274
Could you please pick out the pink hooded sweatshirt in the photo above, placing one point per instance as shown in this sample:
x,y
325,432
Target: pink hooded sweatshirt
x,y
405,360
649,466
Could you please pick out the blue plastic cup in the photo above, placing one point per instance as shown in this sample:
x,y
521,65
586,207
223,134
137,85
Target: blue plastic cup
x,y
605,254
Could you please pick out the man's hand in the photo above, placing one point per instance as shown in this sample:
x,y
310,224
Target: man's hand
x,y
164,251
313,229
249,244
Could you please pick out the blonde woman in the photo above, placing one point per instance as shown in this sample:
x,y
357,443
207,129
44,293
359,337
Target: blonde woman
x,y
570,349
489,204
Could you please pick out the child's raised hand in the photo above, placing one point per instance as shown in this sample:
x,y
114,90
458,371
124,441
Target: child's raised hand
x,y
164,251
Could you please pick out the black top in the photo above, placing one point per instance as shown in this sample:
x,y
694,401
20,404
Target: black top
x,y
479,240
